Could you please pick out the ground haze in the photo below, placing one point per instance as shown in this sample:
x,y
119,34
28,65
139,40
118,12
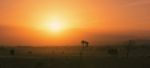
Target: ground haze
x,y
69,57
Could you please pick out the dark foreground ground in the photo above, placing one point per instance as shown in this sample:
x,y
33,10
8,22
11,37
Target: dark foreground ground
x,y
16,62
69,57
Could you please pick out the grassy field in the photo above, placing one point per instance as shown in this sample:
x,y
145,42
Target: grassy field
x,y
69,57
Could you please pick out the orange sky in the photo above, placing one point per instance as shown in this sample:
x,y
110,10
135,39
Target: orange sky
x,y
98,21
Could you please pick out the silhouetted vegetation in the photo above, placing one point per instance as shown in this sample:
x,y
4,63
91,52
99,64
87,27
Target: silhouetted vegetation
x,y
130,44
12,52
85,44
113,51
113,56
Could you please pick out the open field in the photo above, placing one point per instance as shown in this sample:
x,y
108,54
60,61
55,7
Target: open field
x,y
69,57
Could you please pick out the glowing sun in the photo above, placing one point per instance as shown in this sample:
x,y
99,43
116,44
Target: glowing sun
x,y
56,26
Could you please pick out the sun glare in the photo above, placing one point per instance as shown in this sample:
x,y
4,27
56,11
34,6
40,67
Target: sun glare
x,y
55,26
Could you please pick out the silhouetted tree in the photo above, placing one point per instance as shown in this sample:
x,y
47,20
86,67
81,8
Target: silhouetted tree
x,y
12,52
85,44
113,51
130,43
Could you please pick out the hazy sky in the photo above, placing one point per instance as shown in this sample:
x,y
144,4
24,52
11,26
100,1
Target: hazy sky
x,y
98,21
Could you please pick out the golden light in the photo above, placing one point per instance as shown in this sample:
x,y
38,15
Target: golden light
x,y
53,25
56,26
